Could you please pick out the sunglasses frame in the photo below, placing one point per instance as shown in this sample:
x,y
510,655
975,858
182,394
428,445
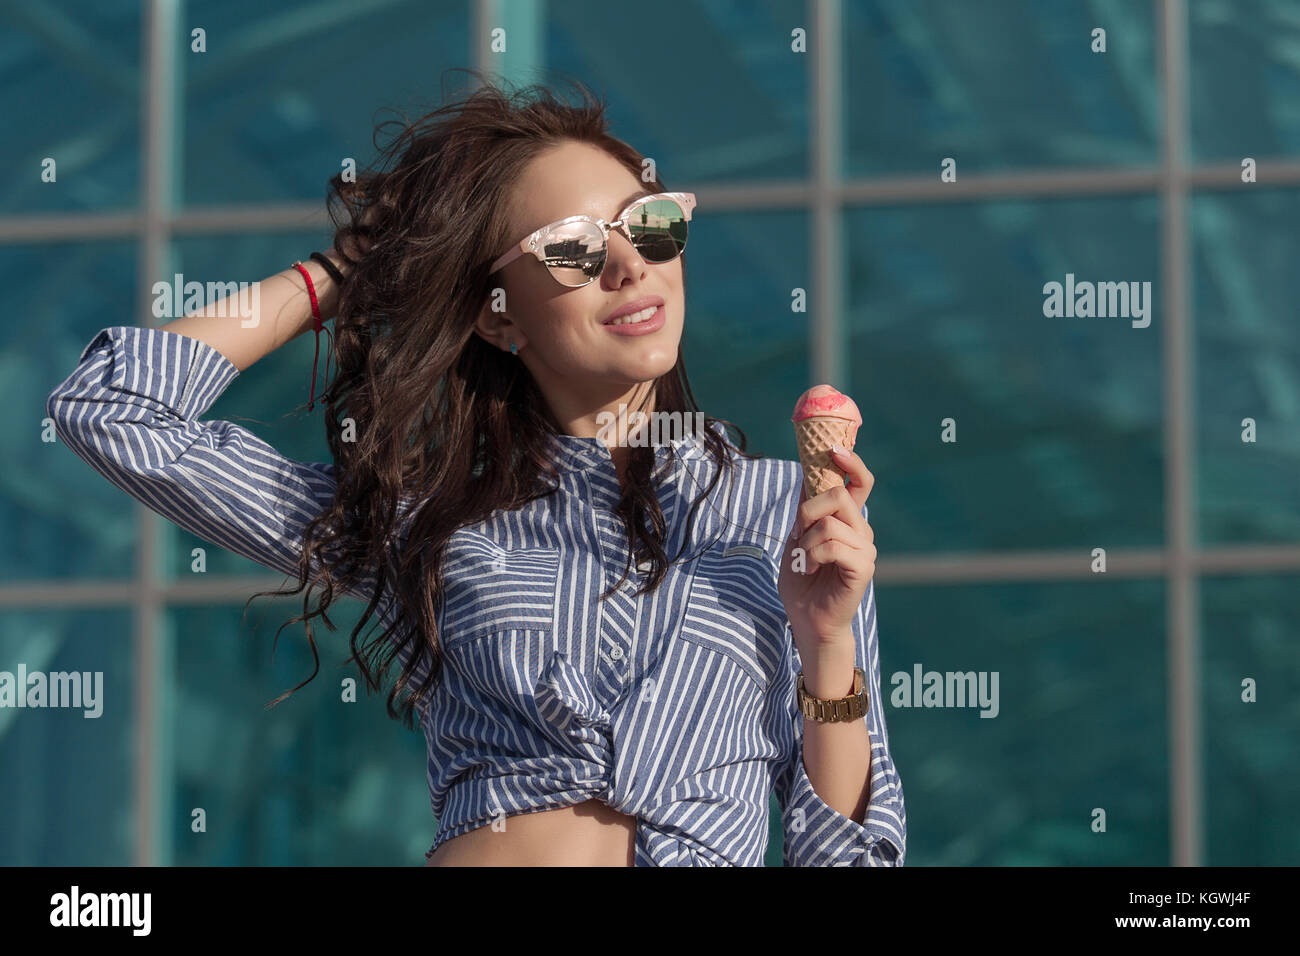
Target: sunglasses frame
x,y
530,244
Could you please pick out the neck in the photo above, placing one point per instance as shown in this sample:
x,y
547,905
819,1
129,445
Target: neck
x,y
612,420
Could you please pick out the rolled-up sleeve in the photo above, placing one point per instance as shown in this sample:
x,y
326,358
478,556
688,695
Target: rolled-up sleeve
x,y
131,408
815,833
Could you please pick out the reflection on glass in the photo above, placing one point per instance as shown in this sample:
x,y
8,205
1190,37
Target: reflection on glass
x,y
574,252
658,230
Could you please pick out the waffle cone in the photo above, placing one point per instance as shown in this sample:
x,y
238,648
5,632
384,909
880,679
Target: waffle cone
x,y
815,437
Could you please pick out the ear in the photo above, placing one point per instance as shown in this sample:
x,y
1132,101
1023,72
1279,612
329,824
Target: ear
x,y
495,327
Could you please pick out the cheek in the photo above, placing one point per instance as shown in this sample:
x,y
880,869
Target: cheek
x,y
566,317
543,315
561,328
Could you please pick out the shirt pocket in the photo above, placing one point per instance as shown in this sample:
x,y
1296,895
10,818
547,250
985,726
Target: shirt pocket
x,y
735,609
488,589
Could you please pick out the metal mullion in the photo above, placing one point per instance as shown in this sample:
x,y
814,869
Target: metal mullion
x,y
1182,597
151,816
827,362
966,567
480,53
751,195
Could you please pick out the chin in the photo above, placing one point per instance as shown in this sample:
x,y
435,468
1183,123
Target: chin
x,y
654,368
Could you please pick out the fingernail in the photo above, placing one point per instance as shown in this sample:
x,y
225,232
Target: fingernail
x,y
837,450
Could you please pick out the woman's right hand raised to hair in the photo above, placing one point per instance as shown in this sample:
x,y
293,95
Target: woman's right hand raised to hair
x,y
348,249
356,245
284,307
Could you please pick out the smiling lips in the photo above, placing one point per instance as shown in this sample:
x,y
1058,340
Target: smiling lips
x,y
635,317
646,321
634,308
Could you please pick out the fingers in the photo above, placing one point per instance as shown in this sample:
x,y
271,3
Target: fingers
x,y
827,552
861,480
832,529
831,541
839,503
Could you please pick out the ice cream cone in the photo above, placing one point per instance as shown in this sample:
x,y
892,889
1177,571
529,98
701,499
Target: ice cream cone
x,y
823,417
815,437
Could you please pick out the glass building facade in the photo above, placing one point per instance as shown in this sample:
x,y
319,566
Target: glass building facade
x,y
885,187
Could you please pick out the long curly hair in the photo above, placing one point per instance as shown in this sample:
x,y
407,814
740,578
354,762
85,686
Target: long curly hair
x,y
443,428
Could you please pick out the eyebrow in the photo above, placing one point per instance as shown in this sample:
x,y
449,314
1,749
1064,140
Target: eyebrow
x,y
634,197
639,194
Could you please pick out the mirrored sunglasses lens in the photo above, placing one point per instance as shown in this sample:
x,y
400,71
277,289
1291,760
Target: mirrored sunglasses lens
x,y
575,252
658,230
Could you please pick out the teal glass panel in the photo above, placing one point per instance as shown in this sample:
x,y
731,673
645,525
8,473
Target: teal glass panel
x,y
1081,722
71,94
996,85
741,327
710,89
319,780
1251,776
1245,286
285,92
69,771
1057,419
1243,79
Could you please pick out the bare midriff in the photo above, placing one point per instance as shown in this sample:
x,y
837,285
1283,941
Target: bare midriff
x,y
585,834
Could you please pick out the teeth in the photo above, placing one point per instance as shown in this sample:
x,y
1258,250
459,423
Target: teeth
x,y
635,316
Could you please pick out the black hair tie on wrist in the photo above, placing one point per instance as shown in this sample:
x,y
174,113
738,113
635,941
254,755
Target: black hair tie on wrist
x,y
328,266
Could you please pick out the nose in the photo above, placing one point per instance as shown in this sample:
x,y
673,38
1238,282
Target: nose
x,y
621,261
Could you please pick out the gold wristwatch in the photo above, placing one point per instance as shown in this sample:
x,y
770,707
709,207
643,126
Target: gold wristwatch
x,y
839,709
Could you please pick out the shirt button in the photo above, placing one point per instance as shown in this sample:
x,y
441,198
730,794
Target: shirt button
x,y
616,653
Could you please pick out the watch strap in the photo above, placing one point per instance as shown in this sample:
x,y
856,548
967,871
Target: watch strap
x,y
834,710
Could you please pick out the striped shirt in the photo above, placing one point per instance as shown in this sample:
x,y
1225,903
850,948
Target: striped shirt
x,y
677,708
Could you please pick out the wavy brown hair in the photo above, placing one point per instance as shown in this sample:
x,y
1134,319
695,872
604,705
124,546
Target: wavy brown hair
x,y
448,428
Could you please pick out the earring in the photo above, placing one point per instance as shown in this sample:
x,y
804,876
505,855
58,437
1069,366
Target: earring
x,y
514,349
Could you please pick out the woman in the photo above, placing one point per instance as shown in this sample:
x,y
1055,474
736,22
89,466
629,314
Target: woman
x,y
603,637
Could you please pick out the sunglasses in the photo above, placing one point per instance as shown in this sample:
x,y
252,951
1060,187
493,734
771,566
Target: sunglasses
x,y
574,249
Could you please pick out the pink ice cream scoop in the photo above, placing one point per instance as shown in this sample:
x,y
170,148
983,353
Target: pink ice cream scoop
x,y
823,401
823,417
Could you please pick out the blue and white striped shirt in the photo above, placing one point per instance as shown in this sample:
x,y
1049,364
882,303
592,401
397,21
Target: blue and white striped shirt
x,y
677,708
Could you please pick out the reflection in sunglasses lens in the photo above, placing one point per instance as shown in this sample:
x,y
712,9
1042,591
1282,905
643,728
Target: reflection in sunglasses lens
x,y
575,252
658,230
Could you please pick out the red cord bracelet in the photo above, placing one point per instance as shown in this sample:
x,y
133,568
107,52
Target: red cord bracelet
x,y
318,325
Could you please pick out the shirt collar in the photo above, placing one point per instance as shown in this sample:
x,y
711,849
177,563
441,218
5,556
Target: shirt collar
x,y
571,453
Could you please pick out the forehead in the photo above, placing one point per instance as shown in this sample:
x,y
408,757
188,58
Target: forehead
x,y
569,180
